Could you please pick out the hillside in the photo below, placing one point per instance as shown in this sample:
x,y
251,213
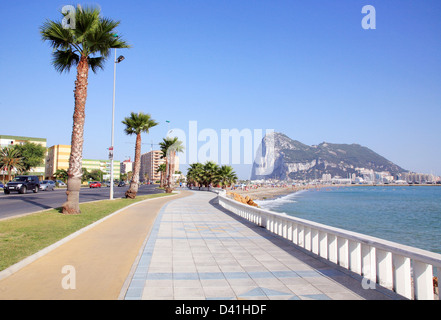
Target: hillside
x,y
285,158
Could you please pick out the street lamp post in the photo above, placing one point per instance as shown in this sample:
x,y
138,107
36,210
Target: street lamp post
x,y
117,60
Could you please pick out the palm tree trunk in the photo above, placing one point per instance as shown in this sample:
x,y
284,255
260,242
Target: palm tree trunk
x,y
133,190
168,188
72,205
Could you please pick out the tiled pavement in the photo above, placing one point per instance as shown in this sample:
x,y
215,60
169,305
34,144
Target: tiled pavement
x,y
198,250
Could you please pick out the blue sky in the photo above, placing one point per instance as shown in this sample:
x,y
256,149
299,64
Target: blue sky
x,y
304,68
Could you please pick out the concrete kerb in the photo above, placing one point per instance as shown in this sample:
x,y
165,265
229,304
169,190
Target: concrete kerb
x,y
21,264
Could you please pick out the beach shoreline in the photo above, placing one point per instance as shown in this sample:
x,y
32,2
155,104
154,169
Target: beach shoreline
x,y
270,193
273,192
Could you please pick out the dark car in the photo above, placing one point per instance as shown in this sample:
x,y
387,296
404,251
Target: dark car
x,y
121,184
22,184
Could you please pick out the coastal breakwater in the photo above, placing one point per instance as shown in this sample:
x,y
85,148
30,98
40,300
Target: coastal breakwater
x,y
403,270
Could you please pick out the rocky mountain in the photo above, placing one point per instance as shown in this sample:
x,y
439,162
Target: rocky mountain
x,y
280,157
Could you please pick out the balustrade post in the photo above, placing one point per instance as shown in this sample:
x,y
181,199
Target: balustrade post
x,y
323,244
332,248
368,263
307,238
384,269
301,239
289,230
343,259
423,281
295,234
355,256
402,276
315,241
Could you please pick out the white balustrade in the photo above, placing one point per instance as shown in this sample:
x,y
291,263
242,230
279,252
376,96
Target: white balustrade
x,y
406,270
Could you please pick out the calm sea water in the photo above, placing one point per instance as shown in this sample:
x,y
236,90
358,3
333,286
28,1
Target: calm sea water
x,y
403,214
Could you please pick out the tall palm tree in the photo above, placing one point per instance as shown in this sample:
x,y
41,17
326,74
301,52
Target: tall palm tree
x,y
10,159
170,147
86,46
136,124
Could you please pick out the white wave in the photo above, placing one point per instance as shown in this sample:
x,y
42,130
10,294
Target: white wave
x,y
274,203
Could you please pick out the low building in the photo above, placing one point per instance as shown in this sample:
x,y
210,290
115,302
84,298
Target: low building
x,y
7,141
104,166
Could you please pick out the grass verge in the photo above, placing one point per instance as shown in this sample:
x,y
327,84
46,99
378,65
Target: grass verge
x,y
24,236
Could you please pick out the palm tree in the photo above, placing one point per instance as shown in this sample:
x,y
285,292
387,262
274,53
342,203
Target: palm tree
x,y
86,46
137,123
226,176
195,174
10,159
161,169
61,174
210,169
169,148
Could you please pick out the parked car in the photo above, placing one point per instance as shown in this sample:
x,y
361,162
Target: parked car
x,y
47,185
60,183
95,184
121,184
1,185
22,184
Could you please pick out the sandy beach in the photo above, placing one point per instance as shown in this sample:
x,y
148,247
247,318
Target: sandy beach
x,y
270,192
263,193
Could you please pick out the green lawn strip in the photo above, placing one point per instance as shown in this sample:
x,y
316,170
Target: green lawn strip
x,y
24,236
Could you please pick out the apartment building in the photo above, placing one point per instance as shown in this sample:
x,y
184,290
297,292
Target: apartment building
x,y
57,159
150,163
126,166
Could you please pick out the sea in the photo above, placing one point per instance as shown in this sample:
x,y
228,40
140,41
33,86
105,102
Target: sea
x,y
409,215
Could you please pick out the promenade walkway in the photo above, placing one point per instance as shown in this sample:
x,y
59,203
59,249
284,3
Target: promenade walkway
x,y
198,250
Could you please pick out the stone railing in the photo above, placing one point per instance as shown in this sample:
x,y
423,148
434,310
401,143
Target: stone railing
x,y
405,270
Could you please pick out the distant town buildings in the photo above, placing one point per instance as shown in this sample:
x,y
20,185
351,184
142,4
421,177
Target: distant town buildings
x,y
368,176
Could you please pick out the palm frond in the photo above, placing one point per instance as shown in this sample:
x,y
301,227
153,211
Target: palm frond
x,y
96,63
93,37
63,60
138,122
87,21
57,35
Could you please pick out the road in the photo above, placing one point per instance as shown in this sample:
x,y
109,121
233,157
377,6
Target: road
x,y
16,204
